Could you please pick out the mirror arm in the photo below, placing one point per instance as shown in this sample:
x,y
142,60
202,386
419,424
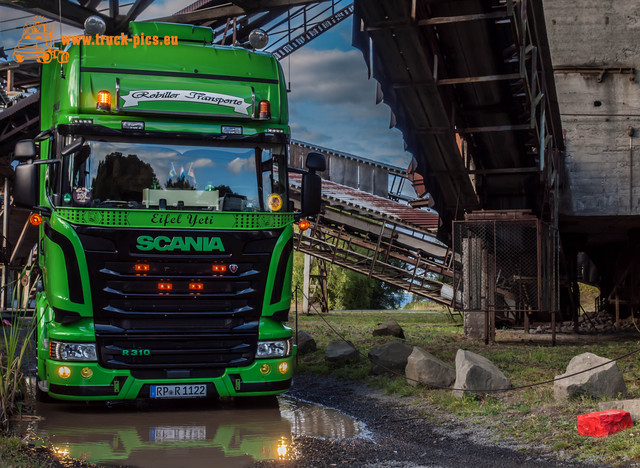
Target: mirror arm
x,y
46,161
43,210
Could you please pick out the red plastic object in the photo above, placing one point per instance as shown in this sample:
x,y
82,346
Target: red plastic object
x,y
603,423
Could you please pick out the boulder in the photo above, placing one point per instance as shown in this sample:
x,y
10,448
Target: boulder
x,y
389,328
389,356
341,352
630,406
603,423
475,373
306,343
603,381
424,368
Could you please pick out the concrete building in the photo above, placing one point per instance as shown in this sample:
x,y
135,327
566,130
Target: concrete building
x,y
595,49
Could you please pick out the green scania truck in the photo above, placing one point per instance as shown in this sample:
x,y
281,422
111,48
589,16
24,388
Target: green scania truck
x,y
161,182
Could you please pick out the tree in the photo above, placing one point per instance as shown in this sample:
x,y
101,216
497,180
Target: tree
x,y
182,184
348,290
122,178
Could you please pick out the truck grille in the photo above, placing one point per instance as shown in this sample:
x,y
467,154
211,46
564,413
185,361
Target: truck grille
x,y
140,325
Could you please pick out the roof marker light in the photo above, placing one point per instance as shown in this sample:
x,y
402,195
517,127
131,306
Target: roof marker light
x,y
264,110
103,102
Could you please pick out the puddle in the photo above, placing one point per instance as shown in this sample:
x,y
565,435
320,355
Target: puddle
x,y
227,433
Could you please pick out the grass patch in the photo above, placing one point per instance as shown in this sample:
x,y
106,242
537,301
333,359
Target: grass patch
x,y
529,415
13,454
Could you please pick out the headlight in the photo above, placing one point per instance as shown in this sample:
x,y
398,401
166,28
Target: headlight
x,y
271,349
72,351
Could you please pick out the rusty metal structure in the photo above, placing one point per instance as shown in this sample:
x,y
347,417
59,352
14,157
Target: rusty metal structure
x,y
505,271
363,230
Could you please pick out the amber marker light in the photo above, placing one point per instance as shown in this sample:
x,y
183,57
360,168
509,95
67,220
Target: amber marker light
x,y
35,219
283,367
219,268
303,224
64,372
141,268
264,110
103,102
196,286
165,286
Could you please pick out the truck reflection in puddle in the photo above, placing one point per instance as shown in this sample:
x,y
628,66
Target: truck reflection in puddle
x,y
198,434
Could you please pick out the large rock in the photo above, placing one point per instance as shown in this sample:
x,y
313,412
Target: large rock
x,y
424,368
341,352
631,406
389,328
306,343
603,381
391,356
475,373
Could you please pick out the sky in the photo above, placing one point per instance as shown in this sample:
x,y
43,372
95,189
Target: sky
x,y
331,102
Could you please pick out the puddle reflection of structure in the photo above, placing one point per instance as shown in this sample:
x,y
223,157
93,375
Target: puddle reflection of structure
x,y
318,421
198,433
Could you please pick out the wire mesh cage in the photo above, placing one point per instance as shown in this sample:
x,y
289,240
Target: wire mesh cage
x,y
506,271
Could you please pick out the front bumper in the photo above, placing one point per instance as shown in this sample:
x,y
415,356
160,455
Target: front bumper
x,y
109,384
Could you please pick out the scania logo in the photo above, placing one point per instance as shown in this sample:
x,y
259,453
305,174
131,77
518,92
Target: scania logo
x,y
185,244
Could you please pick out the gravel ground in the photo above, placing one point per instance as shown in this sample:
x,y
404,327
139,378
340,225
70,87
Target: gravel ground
x,y
399,438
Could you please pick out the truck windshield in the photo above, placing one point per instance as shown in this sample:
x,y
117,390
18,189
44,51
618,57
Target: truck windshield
x,y
114,174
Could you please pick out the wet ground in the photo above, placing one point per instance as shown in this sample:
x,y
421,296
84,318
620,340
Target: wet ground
x,y
199,433
400,437
299,429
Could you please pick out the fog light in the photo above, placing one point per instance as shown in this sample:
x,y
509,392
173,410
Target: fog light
x,y
283,367
64,372
86,372
265,369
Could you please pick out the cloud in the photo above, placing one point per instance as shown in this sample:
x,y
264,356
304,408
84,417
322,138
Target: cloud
x,y
301,132
329,76
203,162
239,165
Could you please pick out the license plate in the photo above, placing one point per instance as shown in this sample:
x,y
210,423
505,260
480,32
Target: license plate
x,y
179,391
177,433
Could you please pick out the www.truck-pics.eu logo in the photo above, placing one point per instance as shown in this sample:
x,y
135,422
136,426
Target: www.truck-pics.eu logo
x,y
184,244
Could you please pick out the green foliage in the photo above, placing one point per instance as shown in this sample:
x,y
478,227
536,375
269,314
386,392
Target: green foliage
x,y
348,290
15,341
13,455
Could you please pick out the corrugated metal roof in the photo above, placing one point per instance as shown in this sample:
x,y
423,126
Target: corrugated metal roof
x,y
363,203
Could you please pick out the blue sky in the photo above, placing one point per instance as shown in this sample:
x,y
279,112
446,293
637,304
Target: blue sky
x,y
332,103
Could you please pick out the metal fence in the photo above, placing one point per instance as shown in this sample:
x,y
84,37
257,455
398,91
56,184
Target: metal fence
x,y
505,271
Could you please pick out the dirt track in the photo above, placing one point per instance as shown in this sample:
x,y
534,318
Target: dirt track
x,y
399,438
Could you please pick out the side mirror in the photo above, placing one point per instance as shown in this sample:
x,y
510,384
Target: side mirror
x,y
25,185
310,194
25,150
316,162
